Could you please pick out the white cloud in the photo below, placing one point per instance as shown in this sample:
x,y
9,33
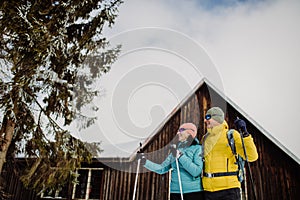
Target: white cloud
x,y
257,55
254,45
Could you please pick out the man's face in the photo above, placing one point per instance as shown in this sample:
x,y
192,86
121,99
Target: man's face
x,y
210,123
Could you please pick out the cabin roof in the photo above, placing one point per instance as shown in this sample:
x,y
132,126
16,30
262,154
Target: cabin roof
x,y
228,100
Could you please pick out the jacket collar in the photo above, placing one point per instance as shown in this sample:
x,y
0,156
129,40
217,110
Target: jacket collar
x,y
186,143
218,129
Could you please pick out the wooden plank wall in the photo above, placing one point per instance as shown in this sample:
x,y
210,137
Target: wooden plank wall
x,y
14,188
276,175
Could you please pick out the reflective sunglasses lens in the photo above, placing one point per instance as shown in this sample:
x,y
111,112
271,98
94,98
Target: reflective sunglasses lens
x,y
207,117
181,130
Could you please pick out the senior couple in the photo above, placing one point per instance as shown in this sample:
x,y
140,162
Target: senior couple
x,y
208,170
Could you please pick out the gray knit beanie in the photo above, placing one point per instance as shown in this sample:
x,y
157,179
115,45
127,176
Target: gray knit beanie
x,y
216,114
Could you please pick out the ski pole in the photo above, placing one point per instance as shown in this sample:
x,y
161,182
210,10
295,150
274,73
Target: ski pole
x,y
137,175
179,178
136,178
247,163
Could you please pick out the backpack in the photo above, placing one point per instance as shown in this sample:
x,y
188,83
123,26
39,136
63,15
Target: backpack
x,y
239,160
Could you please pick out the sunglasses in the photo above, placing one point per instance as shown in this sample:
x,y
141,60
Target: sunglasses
x,y
208,116
183,129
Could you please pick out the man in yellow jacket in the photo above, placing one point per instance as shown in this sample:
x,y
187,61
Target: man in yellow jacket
x,y
220,179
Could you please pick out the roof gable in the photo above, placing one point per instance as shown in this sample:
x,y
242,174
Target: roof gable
x,y
220,99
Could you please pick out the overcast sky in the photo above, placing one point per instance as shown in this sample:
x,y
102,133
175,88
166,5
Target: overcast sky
x,y
248,49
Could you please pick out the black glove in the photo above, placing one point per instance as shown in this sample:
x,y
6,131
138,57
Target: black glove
x,y
241,126
142,157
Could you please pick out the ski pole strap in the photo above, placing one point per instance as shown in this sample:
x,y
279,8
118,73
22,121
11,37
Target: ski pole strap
x,y
211,175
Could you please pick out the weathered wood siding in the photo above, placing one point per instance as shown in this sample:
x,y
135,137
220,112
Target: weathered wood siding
x,y
14,188
276,175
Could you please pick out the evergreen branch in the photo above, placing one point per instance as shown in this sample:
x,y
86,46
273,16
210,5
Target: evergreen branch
x,y
53,122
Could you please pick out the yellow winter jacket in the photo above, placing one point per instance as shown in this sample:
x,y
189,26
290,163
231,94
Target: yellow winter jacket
x,y
218,157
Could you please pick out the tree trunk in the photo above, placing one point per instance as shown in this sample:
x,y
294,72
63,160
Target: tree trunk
x,y
6,133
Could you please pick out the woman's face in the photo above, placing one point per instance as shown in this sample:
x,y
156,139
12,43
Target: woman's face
x,y
182,135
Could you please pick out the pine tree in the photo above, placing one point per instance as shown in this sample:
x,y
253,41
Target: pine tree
x,y
51,53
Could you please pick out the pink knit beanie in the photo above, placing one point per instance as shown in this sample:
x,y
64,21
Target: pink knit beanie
x,y
190,128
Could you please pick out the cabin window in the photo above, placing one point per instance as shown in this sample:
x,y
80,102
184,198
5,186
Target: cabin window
x,y
88,186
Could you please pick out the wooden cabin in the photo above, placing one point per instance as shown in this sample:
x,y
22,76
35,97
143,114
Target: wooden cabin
x,y
276,173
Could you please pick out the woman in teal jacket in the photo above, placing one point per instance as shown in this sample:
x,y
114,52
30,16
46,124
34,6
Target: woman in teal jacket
x,y
188,153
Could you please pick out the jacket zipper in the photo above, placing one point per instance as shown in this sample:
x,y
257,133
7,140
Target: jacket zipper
x,y
227,164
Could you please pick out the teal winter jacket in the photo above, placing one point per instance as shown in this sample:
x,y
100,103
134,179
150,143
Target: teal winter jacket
x,y
190,167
